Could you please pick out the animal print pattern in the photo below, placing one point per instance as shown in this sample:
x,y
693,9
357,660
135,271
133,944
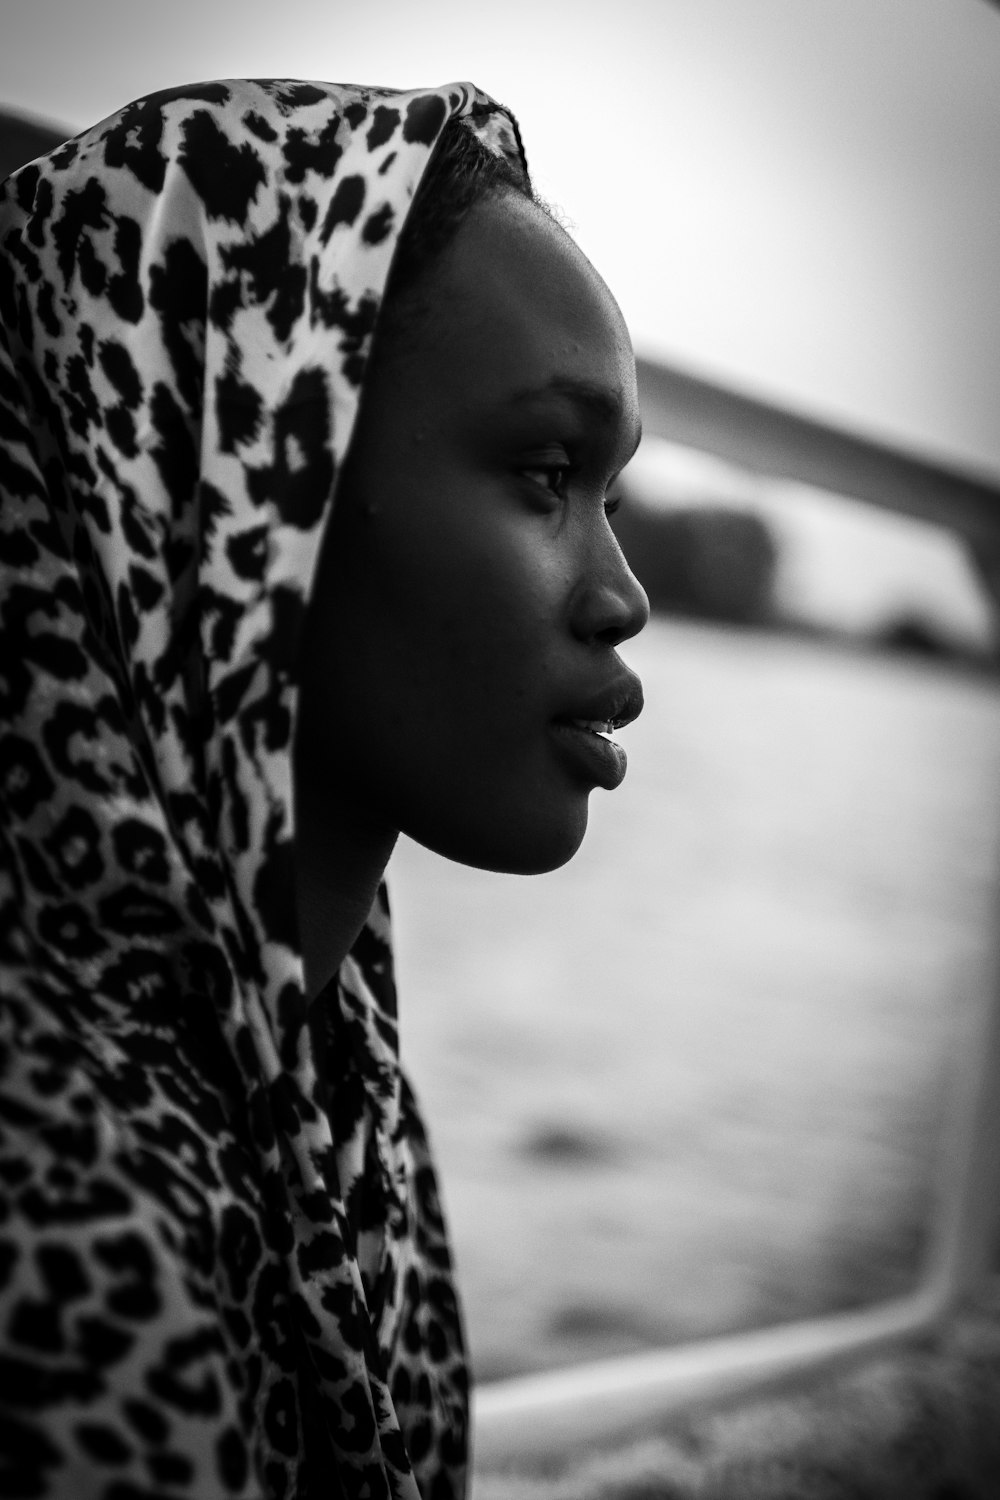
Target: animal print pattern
x,y
223,1265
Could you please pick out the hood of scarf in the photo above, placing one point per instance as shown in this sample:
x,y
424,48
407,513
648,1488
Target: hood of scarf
x,y
188,296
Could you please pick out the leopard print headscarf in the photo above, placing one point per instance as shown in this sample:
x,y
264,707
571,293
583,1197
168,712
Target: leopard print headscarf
x,y
223,1269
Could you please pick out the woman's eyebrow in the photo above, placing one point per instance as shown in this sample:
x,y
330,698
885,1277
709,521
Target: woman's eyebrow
x,y
601,401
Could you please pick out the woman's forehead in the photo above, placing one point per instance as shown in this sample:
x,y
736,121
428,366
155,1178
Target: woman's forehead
x,y
524,313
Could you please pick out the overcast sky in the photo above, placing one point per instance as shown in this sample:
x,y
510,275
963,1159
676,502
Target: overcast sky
x,y
797,196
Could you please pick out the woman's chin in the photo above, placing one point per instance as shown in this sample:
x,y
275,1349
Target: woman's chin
x,y
529,845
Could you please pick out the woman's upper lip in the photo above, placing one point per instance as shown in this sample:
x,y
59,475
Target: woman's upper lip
x,y
615,705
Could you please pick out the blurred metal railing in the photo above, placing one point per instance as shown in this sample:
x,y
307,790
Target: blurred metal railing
x,y
601,1402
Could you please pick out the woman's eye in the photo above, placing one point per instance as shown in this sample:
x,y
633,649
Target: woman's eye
x,y
551,477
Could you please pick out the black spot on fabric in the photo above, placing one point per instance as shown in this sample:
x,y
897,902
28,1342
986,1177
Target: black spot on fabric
x,y
299,480
214,507
271,1316
28,1383
147,1420
74,846
280,648
261,1124
134,912
378,225
70,930
355,113
275,278
47,312
118,366
134,521
15,682
36,1325
174,453
324,1252
231,1460
147,589
424,117
238,409
178,290
345,205
141,850
63,1272
27,1453
225,177
141,978
238,1326
36,869
418,1440
296,95
384,122
74,1142
387,164
208,93
224,303
61,658
134,1294
308,213
281,1419
292,1018
318,1206
401,1386
120,426
304,153
102,1343
335,311
184,1378
28,185
81,212
124,289
247,552
102,1443
220,618
329,1366
166,1468
261,128
283,1100
134,142
240,1248
128,617
93,271
81,402
73,734
357,1434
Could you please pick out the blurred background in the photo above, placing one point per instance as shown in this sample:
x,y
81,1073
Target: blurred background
x,y
699,1080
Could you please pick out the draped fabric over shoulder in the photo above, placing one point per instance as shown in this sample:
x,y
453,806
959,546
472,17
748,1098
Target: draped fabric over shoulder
x,y
223,1269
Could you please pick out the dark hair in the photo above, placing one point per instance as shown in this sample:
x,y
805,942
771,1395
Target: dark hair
x,y
461,172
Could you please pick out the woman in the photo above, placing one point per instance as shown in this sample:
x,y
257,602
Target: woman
x,y
305,542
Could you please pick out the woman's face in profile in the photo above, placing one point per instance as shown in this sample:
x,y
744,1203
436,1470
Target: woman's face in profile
x,y
460,652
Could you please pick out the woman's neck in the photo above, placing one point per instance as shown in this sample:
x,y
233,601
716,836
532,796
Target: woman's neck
x,y
337,878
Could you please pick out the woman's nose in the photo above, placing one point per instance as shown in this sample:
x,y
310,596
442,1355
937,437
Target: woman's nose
x,y
610,604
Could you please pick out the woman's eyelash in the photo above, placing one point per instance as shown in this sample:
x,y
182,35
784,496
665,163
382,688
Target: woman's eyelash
x,y
553,477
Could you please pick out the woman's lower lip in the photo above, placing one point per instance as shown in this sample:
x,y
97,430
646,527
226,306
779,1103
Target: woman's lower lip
x,y
600,761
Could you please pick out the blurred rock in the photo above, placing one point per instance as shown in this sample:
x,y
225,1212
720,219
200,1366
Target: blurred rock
x,y
716,563
23,138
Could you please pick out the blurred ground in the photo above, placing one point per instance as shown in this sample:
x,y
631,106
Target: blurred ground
x,y
920,1424
698,1080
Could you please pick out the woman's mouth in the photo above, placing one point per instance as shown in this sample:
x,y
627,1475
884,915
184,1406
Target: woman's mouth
x,y
584,739
584,745
596,726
